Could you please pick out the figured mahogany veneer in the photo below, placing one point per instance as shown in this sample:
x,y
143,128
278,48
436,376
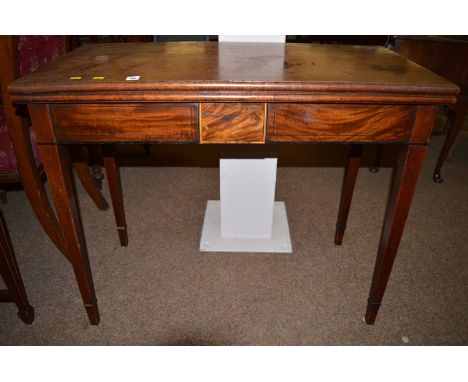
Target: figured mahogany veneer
x,y
232,123
351,123
125,123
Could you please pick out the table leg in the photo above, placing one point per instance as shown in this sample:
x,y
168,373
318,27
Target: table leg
x,y
349,180
115,189
404,184
461,109
12,277
58,168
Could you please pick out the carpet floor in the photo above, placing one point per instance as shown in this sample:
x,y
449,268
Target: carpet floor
x,y
161,290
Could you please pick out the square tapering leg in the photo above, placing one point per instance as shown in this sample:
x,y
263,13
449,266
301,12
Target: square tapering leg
x,y
58,167
347,190
115,190
404,184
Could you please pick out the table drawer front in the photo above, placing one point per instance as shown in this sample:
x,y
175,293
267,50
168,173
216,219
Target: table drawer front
x,y
353,123
232,123
125,122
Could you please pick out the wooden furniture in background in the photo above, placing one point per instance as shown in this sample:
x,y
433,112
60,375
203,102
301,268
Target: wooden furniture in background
x,y
448,57
381,40
10,273
310,93
79,40
20,55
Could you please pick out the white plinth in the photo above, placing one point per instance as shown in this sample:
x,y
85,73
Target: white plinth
x,y
211,240
247,193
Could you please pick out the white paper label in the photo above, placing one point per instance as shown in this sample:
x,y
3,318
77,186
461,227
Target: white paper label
x,y
133,78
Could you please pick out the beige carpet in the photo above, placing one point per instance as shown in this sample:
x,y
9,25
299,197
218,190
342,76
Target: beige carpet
x,y
162,291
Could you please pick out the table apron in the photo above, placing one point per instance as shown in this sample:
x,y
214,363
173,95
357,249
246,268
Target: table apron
x,y
231,122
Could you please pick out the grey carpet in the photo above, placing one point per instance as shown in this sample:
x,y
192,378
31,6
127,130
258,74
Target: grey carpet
x,y
162,291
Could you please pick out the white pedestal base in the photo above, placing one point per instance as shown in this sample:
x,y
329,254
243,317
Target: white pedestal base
x,y
247,193
211,240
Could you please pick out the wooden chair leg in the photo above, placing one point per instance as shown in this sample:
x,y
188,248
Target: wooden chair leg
x,y
461,109
10,273
375,167
115,189
349,180
83,171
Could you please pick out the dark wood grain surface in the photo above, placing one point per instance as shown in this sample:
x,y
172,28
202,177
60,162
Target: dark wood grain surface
x,y
232,123
206,70
147,122
329,123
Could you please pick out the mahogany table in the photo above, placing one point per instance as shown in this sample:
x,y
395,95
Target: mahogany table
x,y
226,93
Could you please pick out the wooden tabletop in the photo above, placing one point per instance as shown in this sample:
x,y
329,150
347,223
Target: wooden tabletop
x,y
191,68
